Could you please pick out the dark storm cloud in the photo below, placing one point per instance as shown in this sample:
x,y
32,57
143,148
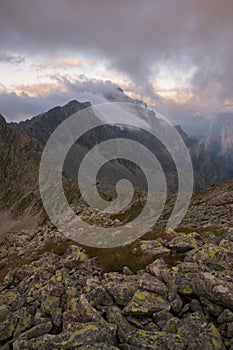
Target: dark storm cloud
x,y
133,35
5,58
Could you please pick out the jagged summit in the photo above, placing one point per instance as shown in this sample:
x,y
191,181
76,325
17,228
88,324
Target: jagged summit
x,y
50,119
42,125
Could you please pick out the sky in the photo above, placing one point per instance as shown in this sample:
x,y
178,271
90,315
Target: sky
x,y
176,55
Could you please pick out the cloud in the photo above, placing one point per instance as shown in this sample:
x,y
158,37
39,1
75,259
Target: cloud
x,y
37,98
136,39
5,58
34,99
132,36
60,64
17,107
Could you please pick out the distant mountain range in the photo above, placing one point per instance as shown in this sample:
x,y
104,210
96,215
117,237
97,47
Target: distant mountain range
x,y
210,163
21,146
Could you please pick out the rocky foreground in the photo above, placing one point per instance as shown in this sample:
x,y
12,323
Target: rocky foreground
x,y
64,300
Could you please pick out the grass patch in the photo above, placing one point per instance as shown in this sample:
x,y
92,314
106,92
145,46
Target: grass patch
x,y
173,260
111,259
130,214
204,231
114,259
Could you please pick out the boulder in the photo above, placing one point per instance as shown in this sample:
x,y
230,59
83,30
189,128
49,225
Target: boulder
x,y
120,287
146,303
184,242
153,248
215,257
214,287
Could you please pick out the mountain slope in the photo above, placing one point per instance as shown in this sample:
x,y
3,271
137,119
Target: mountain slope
x,y
42,126
21,145
19,162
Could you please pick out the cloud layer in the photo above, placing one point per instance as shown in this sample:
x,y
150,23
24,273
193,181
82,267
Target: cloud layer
x,y
25,105
138,39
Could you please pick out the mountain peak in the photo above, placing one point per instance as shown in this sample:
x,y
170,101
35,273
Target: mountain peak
x,y
76,103
74,106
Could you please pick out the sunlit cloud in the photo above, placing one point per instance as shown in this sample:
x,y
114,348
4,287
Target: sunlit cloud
x,y
65,63
40,89
109,74
228,105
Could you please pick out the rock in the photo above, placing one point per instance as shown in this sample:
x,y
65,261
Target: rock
x,y
226,316
182,277
153,248
127,271
161,318
7,328
4,312
86,312
197,333
145,303
128,334
215,288
25,321
77,336
185,242
73,257
175,300
211,308
11,300
195,306
88,333
152,284
121,287
37,331
160,270
96,294
100,346
65,301
229,332
217,258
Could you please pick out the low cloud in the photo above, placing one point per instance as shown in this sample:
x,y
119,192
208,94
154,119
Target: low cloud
x,y
15,59
41,97
65,63
38,98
